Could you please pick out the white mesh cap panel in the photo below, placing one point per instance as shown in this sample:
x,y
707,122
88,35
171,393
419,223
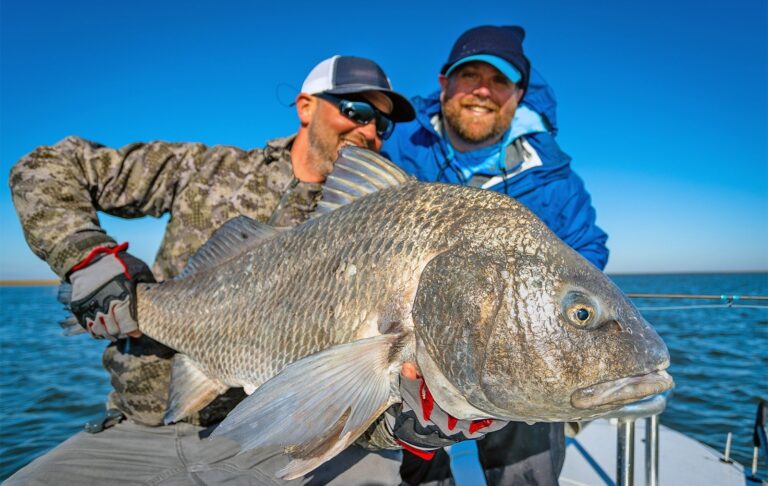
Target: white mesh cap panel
x,y
321,77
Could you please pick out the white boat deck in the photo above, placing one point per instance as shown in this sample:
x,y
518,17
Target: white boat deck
x,y
591,459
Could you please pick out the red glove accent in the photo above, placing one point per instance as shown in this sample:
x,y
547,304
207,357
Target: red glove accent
x,y
103,250
427,402
421,453
479,424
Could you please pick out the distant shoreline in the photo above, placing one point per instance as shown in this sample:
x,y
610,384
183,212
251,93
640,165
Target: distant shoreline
x,y
28,283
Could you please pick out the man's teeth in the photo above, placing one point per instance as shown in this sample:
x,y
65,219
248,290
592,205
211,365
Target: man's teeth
x,y
479,109
349,143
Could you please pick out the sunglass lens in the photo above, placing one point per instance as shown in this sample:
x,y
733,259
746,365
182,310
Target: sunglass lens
x,y
363,113
358,111
384,126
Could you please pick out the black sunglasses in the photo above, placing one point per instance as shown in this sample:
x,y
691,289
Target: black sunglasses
x,y
363,113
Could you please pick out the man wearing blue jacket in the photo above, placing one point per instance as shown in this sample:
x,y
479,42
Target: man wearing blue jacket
x,y
492,125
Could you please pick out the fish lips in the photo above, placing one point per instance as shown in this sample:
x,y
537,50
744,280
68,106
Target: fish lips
x,y
622,391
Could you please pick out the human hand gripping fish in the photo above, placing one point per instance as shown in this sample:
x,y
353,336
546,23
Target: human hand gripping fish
x,y
103,292
461,287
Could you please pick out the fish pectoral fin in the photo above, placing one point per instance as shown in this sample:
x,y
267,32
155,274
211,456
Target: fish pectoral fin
x,y
191,389
316,407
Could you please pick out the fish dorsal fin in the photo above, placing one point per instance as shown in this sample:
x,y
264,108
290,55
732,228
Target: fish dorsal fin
x,y
356,173
231,239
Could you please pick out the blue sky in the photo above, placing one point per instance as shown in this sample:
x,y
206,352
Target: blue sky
x,y
663,105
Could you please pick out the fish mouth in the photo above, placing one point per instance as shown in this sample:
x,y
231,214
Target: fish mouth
x,y
622,391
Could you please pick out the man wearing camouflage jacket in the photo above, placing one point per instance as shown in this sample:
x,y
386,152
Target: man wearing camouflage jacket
x,y
57,192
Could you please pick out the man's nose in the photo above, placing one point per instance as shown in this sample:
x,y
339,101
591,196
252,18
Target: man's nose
x,y
482,89
369,132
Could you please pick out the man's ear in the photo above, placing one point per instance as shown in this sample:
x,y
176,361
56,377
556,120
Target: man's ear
x,y
519,93
305,108
443,80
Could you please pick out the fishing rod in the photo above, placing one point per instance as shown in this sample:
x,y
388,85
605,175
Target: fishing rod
x,y
729,298
726,301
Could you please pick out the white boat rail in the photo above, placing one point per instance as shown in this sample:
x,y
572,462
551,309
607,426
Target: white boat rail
x,y
649,409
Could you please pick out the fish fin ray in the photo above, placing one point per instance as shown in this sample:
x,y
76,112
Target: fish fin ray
x,y
317,406
69,325
64,293
191,389
234,237
356,173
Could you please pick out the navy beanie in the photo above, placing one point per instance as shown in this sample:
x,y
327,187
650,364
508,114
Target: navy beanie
x,y
505,42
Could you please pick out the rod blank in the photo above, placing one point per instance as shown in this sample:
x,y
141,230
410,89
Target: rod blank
x,y
728,298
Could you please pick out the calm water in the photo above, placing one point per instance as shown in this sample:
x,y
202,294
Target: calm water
x,y
50,385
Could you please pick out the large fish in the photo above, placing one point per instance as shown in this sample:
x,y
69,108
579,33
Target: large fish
x,y
503,319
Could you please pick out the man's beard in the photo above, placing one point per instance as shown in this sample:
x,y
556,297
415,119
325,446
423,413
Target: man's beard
x,y
470,129
324,146
323,149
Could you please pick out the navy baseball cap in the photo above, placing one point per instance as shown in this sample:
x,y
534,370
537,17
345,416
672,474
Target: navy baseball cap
x,y
340,75
499,46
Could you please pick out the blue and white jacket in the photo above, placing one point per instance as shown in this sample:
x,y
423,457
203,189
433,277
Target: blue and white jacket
x,y
527,165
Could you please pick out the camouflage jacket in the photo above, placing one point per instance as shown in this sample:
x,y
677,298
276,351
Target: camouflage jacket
x,y
58,190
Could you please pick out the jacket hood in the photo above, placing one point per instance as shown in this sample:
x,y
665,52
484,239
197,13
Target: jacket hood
x,y
540,98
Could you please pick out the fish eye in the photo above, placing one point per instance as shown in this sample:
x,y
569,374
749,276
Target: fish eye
x,y
580,313
579,310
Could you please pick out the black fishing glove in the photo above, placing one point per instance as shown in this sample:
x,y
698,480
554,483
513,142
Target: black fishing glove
x,y
104,291
422,426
